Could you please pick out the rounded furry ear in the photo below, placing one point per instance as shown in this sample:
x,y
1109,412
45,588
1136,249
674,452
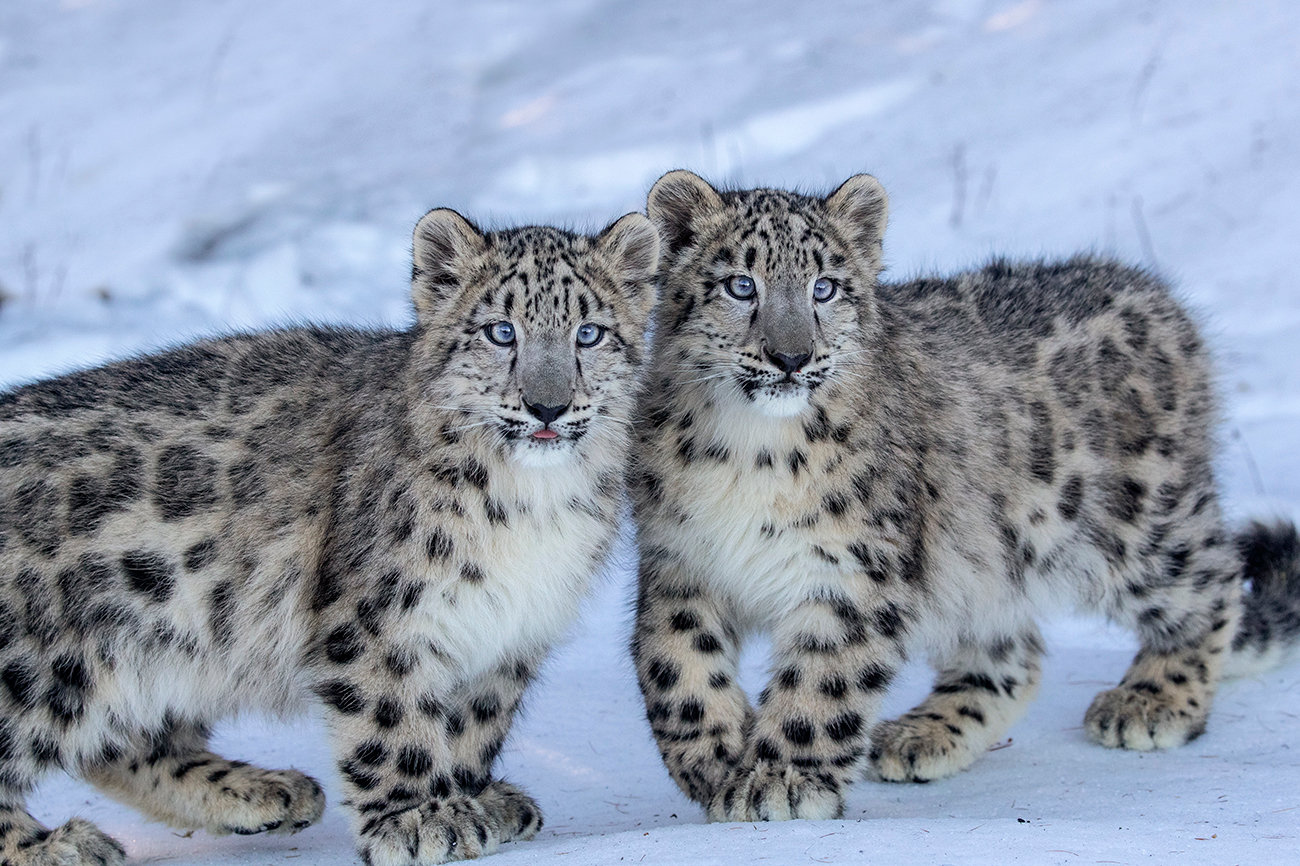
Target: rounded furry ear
x,y
443,243
676,201
861,202
632,245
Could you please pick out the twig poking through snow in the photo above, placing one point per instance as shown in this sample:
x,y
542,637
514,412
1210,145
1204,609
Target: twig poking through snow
x,y
1144,237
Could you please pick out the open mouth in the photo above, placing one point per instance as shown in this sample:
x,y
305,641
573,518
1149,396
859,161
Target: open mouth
x,y
546,434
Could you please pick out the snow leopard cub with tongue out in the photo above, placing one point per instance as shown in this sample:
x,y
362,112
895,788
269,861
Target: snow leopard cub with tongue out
x,y
398,522
863,470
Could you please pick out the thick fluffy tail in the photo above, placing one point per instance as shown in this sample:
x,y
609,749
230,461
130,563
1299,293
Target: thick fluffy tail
x,y
1270,622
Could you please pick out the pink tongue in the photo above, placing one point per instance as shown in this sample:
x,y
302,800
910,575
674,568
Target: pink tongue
x,y
546,434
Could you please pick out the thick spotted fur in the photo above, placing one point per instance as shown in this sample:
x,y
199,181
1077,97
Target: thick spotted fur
x,y
866,470
397,524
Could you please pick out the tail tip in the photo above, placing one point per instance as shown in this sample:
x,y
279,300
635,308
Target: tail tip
x,y
1271,555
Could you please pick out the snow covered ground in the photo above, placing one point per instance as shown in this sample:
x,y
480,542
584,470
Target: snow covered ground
x,y
173,169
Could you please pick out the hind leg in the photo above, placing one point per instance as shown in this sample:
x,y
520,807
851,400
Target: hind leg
x,y
1185,614
982,688
176,780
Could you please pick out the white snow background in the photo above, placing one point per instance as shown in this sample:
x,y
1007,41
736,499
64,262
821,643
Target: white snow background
x,y
170,169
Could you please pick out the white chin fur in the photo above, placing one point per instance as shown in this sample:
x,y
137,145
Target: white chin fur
x,y
538,455
782,405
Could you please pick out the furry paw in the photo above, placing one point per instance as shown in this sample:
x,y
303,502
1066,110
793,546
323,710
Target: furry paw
x,y
516,813
452,828
918,749
768,791
1145,719
248,800
76,843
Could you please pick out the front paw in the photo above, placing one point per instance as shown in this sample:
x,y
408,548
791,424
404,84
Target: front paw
x,y
252,800
516,813
917,749
1146,717
452,828
773,791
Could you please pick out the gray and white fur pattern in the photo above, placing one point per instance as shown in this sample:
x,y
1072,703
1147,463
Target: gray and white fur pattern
x,y
867,470
398,524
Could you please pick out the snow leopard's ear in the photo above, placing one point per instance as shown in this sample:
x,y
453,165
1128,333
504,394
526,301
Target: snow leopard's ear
x,y
444,246
631,245
675,205
862,206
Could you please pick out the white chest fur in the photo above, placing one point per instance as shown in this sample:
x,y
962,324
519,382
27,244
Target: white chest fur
x,y
743,531
535,570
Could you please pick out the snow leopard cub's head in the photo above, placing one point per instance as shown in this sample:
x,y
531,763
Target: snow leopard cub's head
x,y
768,295
534,336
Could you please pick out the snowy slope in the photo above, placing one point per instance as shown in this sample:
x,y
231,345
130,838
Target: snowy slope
x,y
170,169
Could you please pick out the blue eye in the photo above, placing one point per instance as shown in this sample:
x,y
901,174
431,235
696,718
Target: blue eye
x,y
824,289
740,287
501,333
590,334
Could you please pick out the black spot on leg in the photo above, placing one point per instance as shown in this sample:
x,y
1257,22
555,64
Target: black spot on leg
x,y
342,695
663,673
399,662
684,620
485,708
707,643
414,761
789,678
46,752
844,726
344,644
388,712
798,731
766,750
833,686
691,711
371,752
359,777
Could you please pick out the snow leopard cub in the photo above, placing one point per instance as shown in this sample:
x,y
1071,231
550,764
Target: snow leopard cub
x,y
398,522
864,470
